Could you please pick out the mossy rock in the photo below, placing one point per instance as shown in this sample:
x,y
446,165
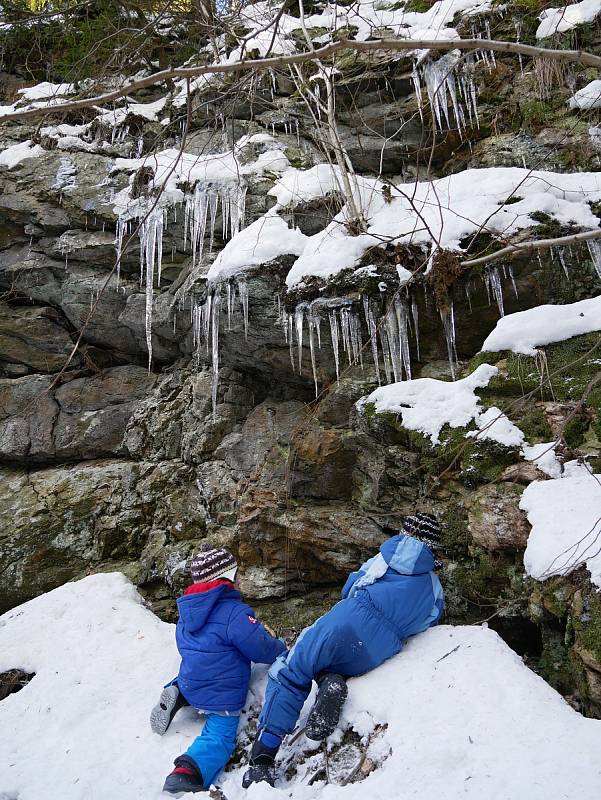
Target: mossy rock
x,y
296,613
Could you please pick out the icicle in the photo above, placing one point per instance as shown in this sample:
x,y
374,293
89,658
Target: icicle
x,y
355,338
346,338
335,340
392,333
373,335
400,307
418,90
228,294
415,315
215,348
385,352
594,248
243,294
493,279
290,337
213,201
298,324
562,261
448,323
468,294
512,277
311,325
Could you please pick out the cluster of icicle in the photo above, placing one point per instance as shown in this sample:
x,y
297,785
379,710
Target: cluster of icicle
x,y
389,328
206,317
449,82
200,213
388,335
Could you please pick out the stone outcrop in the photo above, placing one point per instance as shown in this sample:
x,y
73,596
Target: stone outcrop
x,y
107,465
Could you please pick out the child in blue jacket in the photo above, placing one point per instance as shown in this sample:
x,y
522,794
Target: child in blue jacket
x,y
217,637
394,595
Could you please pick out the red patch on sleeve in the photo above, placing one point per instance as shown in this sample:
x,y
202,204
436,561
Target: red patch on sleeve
x,y
252,619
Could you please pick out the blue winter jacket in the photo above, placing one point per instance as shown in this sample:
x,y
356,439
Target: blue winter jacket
x,y
217,637
394,595
400,584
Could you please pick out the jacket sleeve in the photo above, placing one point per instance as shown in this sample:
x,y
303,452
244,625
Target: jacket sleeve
x,y
252,640
350,581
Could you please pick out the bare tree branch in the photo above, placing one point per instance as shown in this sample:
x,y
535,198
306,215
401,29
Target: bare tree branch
x,y
402,45
539,244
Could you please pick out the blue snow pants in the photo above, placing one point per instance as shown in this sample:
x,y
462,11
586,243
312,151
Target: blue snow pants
x,y
214,747
348,644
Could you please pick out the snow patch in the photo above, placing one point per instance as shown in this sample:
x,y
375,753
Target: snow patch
x,y
427,404
558,20
565,514
587,97
466,718
524,331
265,240
16,153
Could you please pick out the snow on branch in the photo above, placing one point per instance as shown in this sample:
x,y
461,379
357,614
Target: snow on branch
x,y
328,50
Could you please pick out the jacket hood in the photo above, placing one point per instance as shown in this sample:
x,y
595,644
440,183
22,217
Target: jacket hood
x,y
194,609
407,555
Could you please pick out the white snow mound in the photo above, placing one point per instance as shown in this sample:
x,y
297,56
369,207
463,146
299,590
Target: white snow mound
x,y
476,723
565,515
427,404
524,331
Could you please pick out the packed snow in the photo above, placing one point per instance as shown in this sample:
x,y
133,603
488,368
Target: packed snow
x,y
465,717
265,240
367,16
524,331
565,514
558,20
445,211
587,97
543,457
493,424
46,90
427,405
16,153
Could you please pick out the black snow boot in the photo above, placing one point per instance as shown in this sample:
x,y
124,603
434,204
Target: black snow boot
x,y
170,702
323,717
185,777
261,766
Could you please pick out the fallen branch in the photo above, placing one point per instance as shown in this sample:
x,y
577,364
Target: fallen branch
x,y
394,45
539,244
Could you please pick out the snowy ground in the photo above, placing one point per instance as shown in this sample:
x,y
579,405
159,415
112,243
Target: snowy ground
x,y
465,717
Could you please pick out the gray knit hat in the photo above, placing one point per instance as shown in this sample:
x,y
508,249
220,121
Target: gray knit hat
x,y
213,563
424,527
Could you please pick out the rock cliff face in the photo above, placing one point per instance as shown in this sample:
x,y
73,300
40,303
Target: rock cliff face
x,y
106,465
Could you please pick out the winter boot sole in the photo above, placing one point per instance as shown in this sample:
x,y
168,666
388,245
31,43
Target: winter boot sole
x,y
323,717
164,711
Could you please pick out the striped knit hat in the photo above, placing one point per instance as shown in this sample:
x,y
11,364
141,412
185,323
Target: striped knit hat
x,y
210,564
424,527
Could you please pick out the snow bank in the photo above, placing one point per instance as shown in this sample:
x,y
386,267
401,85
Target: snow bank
x,y
46,90
466,718
495,425
524,331
16,153
427,404
587,97
558,20
447,210
265,240
297,186
565,515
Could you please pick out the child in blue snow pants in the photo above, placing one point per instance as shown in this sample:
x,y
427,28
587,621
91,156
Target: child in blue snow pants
x,y
217,637
394,595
